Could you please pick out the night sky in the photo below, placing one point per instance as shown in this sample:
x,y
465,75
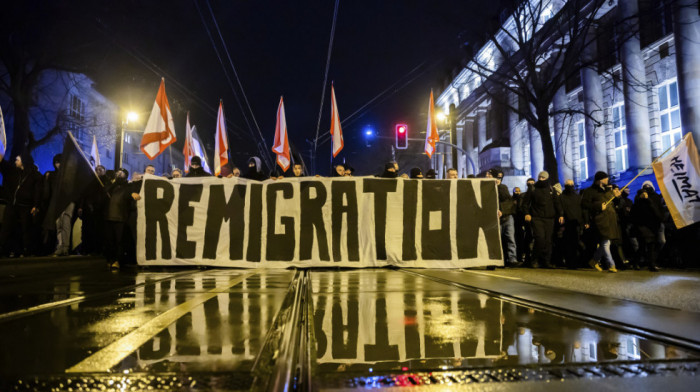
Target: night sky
x,y
280,48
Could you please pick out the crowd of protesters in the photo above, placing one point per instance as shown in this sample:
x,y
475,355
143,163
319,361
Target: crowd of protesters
x,y
543,226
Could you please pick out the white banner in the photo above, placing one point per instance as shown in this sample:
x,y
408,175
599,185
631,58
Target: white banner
x,y
318,222
678,176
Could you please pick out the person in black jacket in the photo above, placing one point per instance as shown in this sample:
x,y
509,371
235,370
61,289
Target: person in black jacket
x,y
573,218
255,170
22,185
117,210
196,169
599,213
646,218
506,209
542,207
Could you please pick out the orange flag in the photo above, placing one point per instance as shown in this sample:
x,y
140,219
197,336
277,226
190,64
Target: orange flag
x,y
221,143
281,146
431,135
336,131
160,129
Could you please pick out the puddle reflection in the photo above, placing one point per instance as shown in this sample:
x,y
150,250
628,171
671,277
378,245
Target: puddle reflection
x,y
223,334
391,320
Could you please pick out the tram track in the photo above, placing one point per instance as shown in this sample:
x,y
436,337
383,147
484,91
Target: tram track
x,y
586,317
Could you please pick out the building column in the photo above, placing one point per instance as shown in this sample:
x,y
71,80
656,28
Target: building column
x,y
461,168
517,143
634,87
536,152
481,127
448,150
440,169
687,41
563,141
593,106
468,143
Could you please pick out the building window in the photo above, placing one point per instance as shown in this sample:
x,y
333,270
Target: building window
x,y
583,159
620,133
77,108
669,113
108,153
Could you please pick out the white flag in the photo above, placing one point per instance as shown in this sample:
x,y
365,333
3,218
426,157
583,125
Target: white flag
x,y
678,176
95,153
198,150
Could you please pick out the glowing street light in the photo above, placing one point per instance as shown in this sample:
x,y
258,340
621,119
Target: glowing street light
x,y
132,117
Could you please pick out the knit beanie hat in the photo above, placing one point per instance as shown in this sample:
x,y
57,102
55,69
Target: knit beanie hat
x,y
600,176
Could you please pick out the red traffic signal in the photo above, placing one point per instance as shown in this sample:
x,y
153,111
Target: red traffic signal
x,y
401,136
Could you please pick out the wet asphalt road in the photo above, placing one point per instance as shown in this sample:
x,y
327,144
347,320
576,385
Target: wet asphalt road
x,y
224,329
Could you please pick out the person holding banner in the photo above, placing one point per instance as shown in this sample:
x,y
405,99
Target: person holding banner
x,y
602,218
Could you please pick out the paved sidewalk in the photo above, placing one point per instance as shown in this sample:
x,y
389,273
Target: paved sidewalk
x,y
676,289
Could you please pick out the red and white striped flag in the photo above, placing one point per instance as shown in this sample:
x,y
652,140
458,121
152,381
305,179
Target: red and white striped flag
x,y
281,146
431,135
160,129
336,131
188,150
221,144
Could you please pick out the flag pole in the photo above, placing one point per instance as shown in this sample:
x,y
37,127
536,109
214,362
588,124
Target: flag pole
x,y
645,169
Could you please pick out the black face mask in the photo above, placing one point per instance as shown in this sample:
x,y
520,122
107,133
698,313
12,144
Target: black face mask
x,y
530,186
569,189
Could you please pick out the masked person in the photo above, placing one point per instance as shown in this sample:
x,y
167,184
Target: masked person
x,y
196,169
573,220
389,171
416,173
117,210
542,209
254,171
599,213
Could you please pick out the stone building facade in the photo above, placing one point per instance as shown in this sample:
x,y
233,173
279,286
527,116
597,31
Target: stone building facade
x,y
642,96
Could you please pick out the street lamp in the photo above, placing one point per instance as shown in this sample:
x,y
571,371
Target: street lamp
x,y
131,117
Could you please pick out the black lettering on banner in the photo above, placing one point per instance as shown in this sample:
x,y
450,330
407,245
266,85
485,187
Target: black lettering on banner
x,y
185,218
255,223
156,210
220,211
471,218
381,350
280,247
312,220
344,336
344,190
410,315
410,205
380,188
436,244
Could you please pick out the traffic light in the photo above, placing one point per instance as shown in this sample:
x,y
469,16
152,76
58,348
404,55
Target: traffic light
x,y
401,136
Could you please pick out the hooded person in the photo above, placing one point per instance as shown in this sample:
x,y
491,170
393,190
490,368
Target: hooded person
x,y
389,171
22,186
116,215
416,173
542,208
430,174
600,215
196,169
254,171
